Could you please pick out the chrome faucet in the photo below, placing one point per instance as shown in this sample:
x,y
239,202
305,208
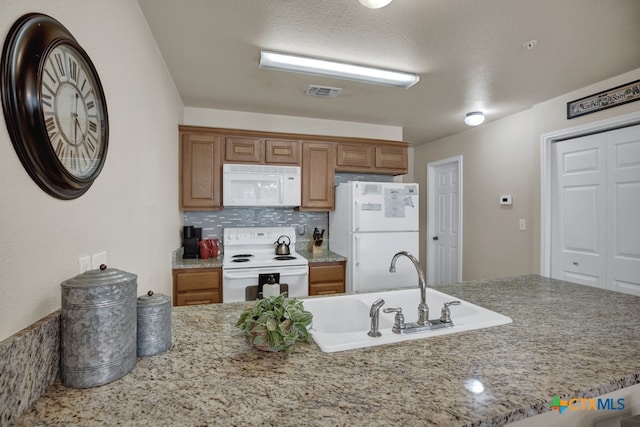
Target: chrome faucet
x,y
374,313
423,308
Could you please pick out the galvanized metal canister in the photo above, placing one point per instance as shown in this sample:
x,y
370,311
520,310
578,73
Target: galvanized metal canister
x,y
98,326
154,324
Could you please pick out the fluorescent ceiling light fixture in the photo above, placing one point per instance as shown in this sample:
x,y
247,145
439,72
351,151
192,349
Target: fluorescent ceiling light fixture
x,y
374,4
474,118
339,70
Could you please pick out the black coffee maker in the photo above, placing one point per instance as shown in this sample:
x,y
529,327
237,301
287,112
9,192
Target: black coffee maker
x,y
191,236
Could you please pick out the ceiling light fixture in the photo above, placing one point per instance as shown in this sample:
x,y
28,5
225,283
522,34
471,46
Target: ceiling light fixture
x,y
339,70
374,4
474,118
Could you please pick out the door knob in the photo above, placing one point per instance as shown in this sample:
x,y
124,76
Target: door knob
x,y
435,237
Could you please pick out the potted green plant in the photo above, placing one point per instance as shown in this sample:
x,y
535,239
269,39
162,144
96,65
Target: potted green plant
x,y
276,323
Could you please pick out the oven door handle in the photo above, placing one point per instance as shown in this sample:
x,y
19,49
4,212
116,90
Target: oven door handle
x,y
248,274
238,275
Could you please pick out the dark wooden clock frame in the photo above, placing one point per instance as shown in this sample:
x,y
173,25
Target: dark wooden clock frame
x,y
29,41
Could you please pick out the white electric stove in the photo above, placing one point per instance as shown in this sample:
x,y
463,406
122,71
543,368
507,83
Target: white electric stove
x,y
250,258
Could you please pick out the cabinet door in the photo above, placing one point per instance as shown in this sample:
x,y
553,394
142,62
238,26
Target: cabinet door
x,y
243,149
197,286
326,278
282,151
200,172
352,156
318,170
392,159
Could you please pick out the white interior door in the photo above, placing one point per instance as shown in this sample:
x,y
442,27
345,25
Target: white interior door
x,y
595,231
444,225
578,228
623,164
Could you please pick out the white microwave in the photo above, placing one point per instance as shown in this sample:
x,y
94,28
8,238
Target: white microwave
x,y
260,185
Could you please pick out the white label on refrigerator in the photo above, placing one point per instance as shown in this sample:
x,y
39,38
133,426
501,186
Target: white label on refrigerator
x,y
370,189
394,203
371,207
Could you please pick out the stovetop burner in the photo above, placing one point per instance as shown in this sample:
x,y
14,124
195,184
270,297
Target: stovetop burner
x,y
240,259
242,256
285,257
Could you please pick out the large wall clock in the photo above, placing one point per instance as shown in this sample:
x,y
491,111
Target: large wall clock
x,y
54,106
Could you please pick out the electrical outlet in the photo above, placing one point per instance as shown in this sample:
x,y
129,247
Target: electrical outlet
x,y
84,264
523,224
99,259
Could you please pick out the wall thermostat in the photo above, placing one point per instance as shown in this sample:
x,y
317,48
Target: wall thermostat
x,y
506,200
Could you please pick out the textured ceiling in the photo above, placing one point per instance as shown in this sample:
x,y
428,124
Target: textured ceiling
x,y
469,55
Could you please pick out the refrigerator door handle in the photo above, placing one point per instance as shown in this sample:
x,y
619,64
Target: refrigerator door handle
x,y
357,250
356,215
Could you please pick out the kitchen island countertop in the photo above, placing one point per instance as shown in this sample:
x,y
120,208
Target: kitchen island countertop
x,y
565,339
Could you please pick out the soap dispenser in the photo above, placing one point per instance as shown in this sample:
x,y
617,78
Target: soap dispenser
x,y
271,288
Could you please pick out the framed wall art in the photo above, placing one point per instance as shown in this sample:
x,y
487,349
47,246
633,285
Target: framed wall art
x,y
613,97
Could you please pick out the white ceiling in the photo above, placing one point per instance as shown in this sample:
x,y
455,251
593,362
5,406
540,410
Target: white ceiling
x,y
469,55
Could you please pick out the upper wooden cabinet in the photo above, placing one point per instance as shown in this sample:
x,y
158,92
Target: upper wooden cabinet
x,y
200,171
259,150
358,156
391,158
372,158
282,151
204,150
318,170
243,150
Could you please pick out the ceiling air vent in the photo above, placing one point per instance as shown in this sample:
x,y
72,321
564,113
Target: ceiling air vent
x,y
324,91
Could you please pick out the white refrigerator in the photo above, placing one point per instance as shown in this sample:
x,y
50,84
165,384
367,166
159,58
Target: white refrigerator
x,y
372,221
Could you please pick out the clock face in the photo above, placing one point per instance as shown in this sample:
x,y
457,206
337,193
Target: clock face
x,y
72,113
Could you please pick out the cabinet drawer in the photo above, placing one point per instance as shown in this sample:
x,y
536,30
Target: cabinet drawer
x,y
326,288
200,297
326,273
197,280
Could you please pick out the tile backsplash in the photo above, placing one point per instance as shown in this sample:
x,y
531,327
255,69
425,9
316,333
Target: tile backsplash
x,y
213,223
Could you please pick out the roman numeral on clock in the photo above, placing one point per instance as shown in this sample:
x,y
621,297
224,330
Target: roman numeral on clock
x,y
73,69
60,63
52,128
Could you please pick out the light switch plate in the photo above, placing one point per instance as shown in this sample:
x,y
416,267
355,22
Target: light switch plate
x,y
523,224
506,200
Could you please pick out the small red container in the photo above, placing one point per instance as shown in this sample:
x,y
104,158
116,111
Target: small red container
x,y
209,248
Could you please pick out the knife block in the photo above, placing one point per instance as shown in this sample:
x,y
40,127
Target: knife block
x,y
315,246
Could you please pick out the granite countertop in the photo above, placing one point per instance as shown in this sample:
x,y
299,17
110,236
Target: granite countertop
x,y
565,339
179,263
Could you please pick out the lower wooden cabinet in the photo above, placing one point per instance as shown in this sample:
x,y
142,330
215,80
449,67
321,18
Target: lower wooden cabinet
x,y
197,286
327,278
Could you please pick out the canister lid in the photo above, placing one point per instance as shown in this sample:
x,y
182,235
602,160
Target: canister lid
x,y
99,277
152,299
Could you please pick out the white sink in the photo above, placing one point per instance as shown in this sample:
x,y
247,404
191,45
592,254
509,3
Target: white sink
x,y
342,322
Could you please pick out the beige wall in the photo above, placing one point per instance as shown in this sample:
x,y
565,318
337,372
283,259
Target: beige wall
x,y
290,124
131,211
503,157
